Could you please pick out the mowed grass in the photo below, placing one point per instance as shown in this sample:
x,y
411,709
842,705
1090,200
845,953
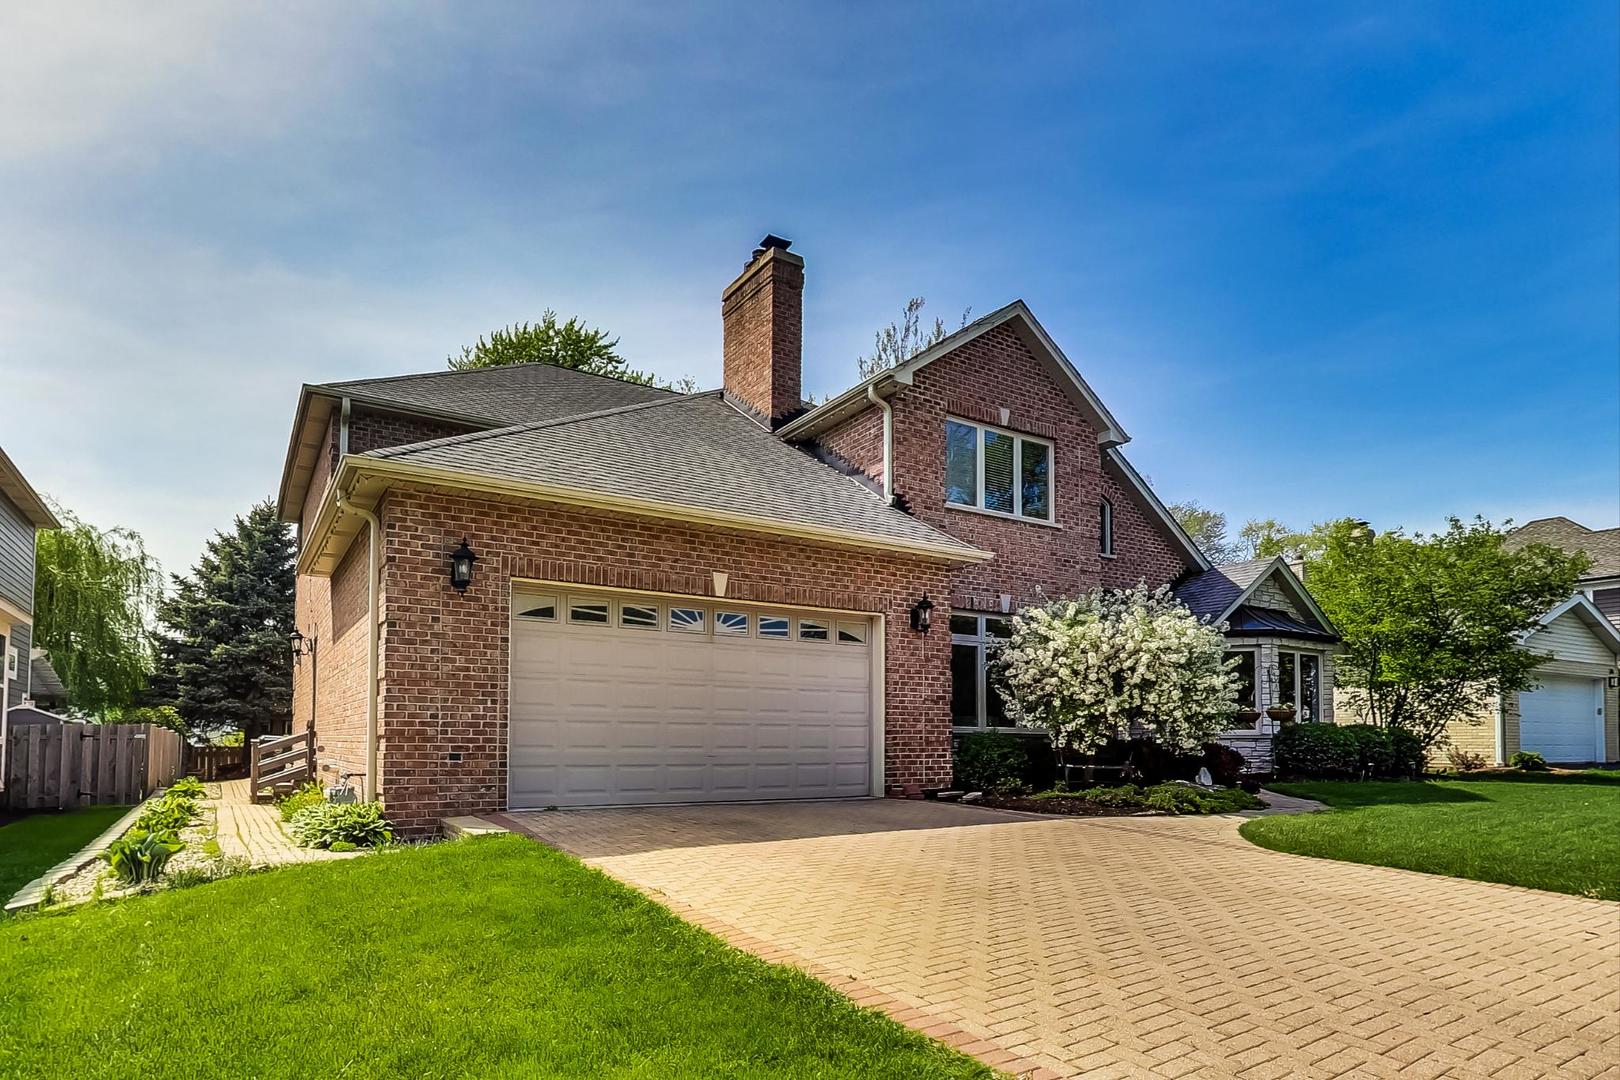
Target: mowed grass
x,y
479,958
34,844
1556,832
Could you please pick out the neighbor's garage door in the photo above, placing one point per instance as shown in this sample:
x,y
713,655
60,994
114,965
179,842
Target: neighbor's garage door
x,y
1559,719
639,699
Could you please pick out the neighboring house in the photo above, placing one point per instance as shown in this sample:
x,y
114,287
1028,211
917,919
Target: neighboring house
x,y
716,596
1601,582
22,513
1283,642
1573,713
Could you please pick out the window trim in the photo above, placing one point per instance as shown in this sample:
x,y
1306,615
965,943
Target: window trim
x,y
814,626
1019,438
536,600
787,628
860,632
980,640
1255,690
1299,678
702,626
721,630
657,616
606,603
1105,528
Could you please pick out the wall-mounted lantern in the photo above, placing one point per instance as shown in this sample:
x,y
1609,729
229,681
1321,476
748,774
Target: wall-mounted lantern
x,y
1614,681
461,567
301,645
922,614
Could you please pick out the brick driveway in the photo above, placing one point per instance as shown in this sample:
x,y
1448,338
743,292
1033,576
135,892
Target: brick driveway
x,y
1134,946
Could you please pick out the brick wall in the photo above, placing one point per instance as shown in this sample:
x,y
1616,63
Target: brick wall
x,y
991,373
373,430
444,703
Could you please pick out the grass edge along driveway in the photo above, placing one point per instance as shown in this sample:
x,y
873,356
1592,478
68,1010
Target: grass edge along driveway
x,y
32,845
1555,832
486,957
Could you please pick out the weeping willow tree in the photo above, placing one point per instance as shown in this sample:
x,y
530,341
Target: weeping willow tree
x,y
94,594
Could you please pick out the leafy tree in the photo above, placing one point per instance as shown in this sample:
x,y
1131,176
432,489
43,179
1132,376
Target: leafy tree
x,y
224,660
1432,624
1114,662
569,344
1269,538
1208,530
898,342
94,592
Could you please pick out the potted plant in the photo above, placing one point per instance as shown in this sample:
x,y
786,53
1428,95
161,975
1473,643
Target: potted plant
x,y
1283,714
1245,719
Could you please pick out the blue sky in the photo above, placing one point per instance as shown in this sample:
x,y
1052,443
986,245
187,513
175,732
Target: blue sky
x,y
1319,259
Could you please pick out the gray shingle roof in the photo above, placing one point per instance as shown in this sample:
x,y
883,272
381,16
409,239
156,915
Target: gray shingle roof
x,y
1209,594
515,394
693,451
1602,546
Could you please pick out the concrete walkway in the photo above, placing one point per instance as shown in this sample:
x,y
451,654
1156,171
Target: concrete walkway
x,y
1133,947
253,831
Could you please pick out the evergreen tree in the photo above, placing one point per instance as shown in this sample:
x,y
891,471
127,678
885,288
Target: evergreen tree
x,y
224,661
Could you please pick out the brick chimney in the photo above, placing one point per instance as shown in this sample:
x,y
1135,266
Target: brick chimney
x,y
763,313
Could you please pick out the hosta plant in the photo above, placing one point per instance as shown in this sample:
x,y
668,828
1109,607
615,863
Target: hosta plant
x,y
1115,663
325,825
139,856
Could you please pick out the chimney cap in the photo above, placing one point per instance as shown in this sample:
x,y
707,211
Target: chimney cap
x,y
771,241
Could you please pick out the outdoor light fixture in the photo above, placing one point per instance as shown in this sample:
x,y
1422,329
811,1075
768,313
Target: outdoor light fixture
x,y
1614,681
461,566
301,646
922,614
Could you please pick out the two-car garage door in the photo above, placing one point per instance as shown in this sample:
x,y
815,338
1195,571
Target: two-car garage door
x,y
621,699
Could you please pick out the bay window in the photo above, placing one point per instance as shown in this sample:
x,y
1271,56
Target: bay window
x,y
997,471
975,703
1299,684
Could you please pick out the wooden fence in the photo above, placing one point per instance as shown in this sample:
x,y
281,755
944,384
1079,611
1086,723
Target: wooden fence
x,y
67,765
278,762
215,762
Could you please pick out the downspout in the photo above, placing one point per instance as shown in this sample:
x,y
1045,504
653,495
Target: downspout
x,y
888,440
373,617
343,431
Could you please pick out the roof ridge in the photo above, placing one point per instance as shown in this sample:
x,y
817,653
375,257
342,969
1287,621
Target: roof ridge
x,y
536,425
489,368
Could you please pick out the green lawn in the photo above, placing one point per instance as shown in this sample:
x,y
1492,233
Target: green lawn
x,y
36,843
1546,832
481,958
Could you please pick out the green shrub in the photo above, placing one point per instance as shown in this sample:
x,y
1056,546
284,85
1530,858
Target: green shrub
x,y
1528,761
1350,751
187,787
171,813
308,794
325,824
1316,750
1168,798
343,845
1465,760
1002,764
1184,799
139,856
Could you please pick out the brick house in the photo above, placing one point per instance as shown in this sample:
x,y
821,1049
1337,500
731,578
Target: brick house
x,y
719,596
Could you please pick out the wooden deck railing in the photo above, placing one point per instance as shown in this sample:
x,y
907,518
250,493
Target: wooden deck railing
x,y
280,762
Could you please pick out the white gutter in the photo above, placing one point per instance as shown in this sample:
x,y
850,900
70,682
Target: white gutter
x,y
373,616
888,440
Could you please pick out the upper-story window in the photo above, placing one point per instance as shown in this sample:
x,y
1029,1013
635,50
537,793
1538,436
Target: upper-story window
x,y
997,471
1105,528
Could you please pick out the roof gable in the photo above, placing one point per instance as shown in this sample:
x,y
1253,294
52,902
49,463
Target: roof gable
x,y
1017,317
1219,592
23,496
1579,611
1602,546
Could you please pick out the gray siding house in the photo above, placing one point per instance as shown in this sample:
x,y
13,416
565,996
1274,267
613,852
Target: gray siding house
x,y
22,513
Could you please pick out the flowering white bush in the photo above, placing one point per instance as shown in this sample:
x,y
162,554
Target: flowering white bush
x,y
1116,662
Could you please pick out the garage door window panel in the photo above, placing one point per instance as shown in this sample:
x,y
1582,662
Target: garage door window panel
x,y
588,611
774,626
543,608
688,620
734,623
814,630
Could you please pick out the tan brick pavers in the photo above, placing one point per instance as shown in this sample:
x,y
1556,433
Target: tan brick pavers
x,y
1134,947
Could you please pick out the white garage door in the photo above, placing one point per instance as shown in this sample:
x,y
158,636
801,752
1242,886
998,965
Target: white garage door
x,y
1559,720
623,699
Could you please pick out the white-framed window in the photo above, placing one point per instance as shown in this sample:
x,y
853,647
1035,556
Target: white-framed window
x,y
974,640
997,471
775,626
638,616
1105,528
688,620
1246,670
1299,683
852,633
814,630
13,664
734,623
542,608
588,611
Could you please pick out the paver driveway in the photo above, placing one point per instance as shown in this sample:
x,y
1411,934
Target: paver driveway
x,y
1135,946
